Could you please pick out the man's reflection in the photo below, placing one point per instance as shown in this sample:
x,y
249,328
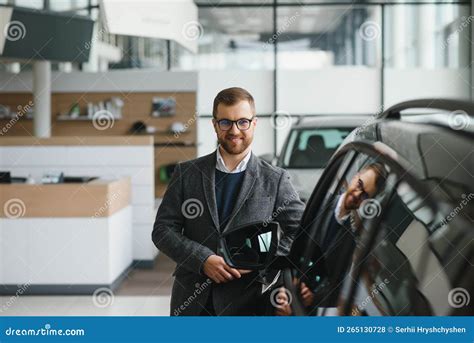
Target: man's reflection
x,y
367,183
338,243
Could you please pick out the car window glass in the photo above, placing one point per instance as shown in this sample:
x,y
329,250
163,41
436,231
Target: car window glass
x,y
316,205
312,148
416,261
293,135
323,209
330,137
337,224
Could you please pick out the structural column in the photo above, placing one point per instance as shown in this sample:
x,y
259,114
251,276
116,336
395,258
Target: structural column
x,y
42,98
426,48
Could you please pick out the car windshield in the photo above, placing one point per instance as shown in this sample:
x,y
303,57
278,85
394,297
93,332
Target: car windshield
x,y
312,148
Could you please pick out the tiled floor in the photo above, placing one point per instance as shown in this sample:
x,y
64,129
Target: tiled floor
x,y
143,293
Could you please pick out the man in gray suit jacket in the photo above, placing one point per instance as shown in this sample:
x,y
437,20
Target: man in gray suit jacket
x,y
227,188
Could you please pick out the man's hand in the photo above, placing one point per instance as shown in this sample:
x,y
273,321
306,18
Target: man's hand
x,y
244,271
306,295
283,307
216,268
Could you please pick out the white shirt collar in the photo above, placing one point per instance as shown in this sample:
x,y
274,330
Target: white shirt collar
x,y
242,166
337,211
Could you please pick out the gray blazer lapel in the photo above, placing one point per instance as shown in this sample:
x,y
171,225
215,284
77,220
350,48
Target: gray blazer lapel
x,y
251,174
208,175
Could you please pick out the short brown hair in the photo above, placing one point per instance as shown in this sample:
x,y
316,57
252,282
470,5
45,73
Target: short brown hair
x,y
231,96
381,173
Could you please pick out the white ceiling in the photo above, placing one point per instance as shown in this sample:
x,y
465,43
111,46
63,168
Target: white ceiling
x,y
246,20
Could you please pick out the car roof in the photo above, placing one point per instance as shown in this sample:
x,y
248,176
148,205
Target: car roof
x,y
463,123
456,114
332,121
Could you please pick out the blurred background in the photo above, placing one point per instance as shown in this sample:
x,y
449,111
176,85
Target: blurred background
x,y
100,99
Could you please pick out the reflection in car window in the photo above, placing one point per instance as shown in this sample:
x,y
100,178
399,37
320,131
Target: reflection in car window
x,y
316,207
376,176
336,228
306,250
312,148
413,268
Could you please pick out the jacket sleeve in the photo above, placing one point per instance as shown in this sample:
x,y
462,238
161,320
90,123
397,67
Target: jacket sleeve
x,y
167,232
290,211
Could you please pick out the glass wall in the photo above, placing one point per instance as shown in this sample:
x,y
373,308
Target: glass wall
x,y
64,6
316,37
329,61
318,57
427,52
311,35
234,38
35,4
427,36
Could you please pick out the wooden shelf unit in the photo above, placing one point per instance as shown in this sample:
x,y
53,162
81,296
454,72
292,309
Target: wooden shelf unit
x,y
137,107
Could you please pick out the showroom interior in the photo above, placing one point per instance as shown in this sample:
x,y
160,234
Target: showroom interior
x,y
102,98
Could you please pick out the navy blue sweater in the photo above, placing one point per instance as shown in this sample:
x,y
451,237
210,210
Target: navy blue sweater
x,y
227,190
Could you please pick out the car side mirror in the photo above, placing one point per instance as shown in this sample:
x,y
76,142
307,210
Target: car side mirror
x,y
251,246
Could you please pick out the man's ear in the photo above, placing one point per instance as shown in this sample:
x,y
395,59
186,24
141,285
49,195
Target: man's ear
x,y
255,120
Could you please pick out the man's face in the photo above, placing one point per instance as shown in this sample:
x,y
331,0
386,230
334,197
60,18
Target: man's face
x,y
362,186
235,141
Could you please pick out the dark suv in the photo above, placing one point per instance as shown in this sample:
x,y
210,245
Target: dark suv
x,y
389,228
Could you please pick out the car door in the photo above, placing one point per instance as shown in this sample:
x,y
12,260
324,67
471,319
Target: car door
x,y
310,256
420,259
324,251
412,254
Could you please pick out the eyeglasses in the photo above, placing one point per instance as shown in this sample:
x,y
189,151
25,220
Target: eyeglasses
x,y
242,124
360,186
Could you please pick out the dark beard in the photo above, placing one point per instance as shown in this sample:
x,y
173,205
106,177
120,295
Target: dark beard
x,y
230,149
350,206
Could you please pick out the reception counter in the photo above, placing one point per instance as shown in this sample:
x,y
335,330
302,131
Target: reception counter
x,y
68,238
111,157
